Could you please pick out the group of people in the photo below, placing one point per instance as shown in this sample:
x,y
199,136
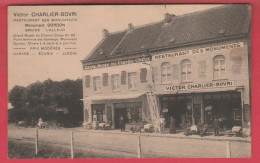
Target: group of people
x,y
172,125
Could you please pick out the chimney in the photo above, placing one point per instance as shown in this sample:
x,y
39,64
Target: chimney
x,y
105,33
130,27
168,17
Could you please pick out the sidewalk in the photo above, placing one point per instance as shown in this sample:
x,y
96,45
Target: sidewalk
x,y
177,135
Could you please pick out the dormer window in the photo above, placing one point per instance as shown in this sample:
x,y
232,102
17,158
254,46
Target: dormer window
x,y
101,51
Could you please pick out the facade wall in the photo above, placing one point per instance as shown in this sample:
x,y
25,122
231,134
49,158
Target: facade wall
x,y
236,66
202,68
107,90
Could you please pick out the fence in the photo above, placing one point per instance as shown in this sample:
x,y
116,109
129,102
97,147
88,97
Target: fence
x,y
148,144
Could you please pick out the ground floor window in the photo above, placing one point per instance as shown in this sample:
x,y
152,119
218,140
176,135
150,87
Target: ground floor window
x,y
98,111
226,106
176,106
131,112
184,108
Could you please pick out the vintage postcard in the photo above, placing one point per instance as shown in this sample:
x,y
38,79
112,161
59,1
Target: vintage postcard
x,y
129,81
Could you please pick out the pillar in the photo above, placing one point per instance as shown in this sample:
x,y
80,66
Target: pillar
x,y
202,114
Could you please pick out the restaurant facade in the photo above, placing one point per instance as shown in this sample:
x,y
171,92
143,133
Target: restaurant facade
x,y
192,67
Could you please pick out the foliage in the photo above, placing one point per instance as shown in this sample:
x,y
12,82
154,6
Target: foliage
x,y
41,99
137,126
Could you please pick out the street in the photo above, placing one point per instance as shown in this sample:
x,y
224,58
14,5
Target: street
x,y
124,145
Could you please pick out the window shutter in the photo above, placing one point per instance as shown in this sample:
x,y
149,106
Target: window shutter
x,y
175,71
87,81
155,74
143,75
123,77
105,79
202,69
236,63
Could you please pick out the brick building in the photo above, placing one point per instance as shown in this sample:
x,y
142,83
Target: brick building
x,y
191,67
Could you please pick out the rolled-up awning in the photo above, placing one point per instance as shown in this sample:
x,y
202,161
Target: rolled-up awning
x,y
114,97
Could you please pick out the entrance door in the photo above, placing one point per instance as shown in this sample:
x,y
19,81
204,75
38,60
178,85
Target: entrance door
x,y
197,113
118,113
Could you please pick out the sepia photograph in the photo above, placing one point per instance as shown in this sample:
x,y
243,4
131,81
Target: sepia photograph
x,y
129,81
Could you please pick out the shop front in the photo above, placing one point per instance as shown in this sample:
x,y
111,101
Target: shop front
x,y
202,102
203,107
130,111
109,109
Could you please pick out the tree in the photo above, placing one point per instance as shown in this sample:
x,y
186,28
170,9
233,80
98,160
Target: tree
x,y
15,96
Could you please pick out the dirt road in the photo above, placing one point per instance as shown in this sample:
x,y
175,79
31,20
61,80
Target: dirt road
x,y
125,145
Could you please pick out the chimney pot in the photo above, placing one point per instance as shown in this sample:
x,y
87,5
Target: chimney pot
x,y
168,17
105,33
130,26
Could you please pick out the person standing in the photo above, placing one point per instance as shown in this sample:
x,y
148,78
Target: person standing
x,y
122,123
216,126
172,126
162,124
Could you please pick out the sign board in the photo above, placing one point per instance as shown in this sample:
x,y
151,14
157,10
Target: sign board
x,y
197,51
220,84
116,63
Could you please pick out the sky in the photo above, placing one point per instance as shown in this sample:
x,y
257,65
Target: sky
x,y
24,70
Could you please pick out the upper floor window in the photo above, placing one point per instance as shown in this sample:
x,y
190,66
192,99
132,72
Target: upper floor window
x,y
186,70
166,72
96,83
132,80
115,82
219,67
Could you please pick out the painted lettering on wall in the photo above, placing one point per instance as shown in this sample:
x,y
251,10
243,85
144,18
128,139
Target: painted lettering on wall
x,y
117,63
222,84
198,51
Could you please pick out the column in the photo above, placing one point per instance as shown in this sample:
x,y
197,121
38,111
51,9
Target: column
x,y
202,117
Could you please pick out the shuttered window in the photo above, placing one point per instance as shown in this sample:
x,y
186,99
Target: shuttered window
x,y
202,69
105,79
166,72
132,83
123,77
87,81
96,84
155,74
186,70
219,67
175,71
143,75
115,82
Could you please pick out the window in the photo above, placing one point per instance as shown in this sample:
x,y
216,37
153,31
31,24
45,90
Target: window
x,y
98,110
132,80
115,81
219,67
186,70
97,83
166,72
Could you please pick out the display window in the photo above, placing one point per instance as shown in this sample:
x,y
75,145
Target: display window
x,y
98,111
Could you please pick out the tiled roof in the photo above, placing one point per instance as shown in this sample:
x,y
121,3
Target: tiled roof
x,y
140,38
213,23
224,21
107,45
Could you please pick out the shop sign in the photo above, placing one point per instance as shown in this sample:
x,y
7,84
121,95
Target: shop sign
x,y
165,110
116,63
221,84
208,108
197,51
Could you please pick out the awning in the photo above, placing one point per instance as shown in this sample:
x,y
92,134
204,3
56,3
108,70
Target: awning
x,y
114,97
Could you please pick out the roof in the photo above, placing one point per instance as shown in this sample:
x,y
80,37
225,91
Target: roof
x,y
219,22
